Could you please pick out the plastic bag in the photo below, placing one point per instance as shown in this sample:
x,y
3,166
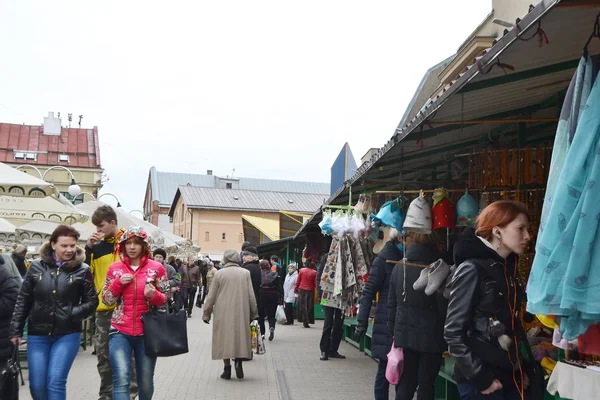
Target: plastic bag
x,y
395,365
258,346
280,316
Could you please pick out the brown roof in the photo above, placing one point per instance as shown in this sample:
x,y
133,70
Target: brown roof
x,y
81,145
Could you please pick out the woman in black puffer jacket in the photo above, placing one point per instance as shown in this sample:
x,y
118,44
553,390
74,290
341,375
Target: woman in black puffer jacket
x,y
9,290
416,321
379,284
57,294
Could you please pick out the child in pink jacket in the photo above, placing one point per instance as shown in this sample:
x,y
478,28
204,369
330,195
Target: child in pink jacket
x,y
135,284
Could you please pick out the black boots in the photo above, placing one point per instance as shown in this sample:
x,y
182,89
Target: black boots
x,y
239,371
324,356
337,355
226,372
271,333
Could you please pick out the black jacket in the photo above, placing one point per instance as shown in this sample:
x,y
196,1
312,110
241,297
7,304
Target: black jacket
x,y
379,282
484,286
19,261
9,290
254,269
54,301
414,319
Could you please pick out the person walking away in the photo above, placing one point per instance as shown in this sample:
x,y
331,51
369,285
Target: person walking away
x,y
483,329
9,291
191,280
332,324
18,257
101,250
289,297
210,274
160,256
378,286
134,284
305,287
416,320
58,293
250,263
276,267
8,263
231,297
271,295
203,265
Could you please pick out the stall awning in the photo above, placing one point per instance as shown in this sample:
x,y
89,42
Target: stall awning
x,y
267,227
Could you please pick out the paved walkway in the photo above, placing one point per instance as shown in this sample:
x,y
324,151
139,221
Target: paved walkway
x,y
290,370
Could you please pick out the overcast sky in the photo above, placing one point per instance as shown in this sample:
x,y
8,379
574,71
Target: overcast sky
x,y
271,88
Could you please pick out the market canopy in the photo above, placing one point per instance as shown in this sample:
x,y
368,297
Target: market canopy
x,y
42,230
266,227
14,182
19,210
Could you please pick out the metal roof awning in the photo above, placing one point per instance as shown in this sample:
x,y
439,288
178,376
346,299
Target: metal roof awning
x,y
268,227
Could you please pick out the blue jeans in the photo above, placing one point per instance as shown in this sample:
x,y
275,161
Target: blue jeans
x,y
120,347
382,386
468,391
50,359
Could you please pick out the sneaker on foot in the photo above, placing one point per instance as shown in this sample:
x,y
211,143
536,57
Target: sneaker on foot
x,y
271,334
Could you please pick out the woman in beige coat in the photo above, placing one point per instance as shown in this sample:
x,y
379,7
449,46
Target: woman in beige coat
x,y
232,298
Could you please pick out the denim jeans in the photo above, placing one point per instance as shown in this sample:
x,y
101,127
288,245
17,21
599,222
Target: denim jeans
x,y
50,359
382,386
120,347
468,391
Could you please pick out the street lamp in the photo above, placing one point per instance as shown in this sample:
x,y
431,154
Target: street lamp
x,y
82,193
110,194
31,166
74,188
140,211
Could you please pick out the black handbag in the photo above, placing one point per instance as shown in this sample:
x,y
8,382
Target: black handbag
x,y
165,333
9,377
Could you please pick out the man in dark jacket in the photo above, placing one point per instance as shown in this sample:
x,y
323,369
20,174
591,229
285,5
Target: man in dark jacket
x,y
9,290
191,279
379,283
416,321
250,262
18,256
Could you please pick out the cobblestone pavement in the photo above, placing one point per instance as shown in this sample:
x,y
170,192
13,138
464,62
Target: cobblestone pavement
x,y
290,370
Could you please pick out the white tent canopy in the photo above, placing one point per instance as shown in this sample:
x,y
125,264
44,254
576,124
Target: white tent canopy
x,y
20,210
6,226
157,236
42,230
14,182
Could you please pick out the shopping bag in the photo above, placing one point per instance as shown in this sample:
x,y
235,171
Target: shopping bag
x,y
165,333
9,377
280,316
258,345
395,365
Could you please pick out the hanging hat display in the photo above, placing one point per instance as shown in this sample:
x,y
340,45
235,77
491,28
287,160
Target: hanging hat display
x,y
418,216
467,209
443,212
390,215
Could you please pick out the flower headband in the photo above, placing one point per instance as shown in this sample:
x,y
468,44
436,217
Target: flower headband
x,y
134,231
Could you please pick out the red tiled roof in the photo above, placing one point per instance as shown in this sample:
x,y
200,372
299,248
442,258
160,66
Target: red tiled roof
x,y
81,145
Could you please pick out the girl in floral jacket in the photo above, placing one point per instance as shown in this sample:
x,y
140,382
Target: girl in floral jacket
x,y
135,284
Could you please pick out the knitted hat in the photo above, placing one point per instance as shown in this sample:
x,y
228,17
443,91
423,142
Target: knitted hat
x,y
418,216
231,256
250,249
161,252
467,209
443,212
134,231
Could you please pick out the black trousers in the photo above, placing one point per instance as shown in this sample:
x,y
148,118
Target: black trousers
x,y
187,296
289,312
332,330
268,308
420,369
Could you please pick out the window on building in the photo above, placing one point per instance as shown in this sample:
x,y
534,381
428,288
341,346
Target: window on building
x,y
223,236
78,199
240,237
206,236
229,185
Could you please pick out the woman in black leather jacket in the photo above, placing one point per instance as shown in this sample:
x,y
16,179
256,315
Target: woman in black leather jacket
x,y
57,293
483,329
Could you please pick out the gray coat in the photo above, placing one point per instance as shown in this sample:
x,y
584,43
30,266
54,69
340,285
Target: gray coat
x,y
173,276
231,297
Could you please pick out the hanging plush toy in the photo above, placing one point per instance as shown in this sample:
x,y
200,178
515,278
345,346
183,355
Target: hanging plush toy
x,y
467,209
443,212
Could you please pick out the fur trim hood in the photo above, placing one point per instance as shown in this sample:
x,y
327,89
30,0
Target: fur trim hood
x,y
46,254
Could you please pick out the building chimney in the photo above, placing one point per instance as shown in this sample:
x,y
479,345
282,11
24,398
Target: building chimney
x,y
209,172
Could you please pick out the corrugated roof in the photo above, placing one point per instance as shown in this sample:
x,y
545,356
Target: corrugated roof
x,y
81,145
166,183
248,200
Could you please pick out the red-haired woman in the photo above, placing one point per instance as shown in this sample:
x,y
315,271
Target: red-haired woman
x,y
58,293
135,284
483,329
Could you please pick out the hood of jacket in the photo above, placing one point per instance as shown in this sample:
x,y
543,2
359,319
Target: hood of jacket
x,y
424,254
469,246
47,256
